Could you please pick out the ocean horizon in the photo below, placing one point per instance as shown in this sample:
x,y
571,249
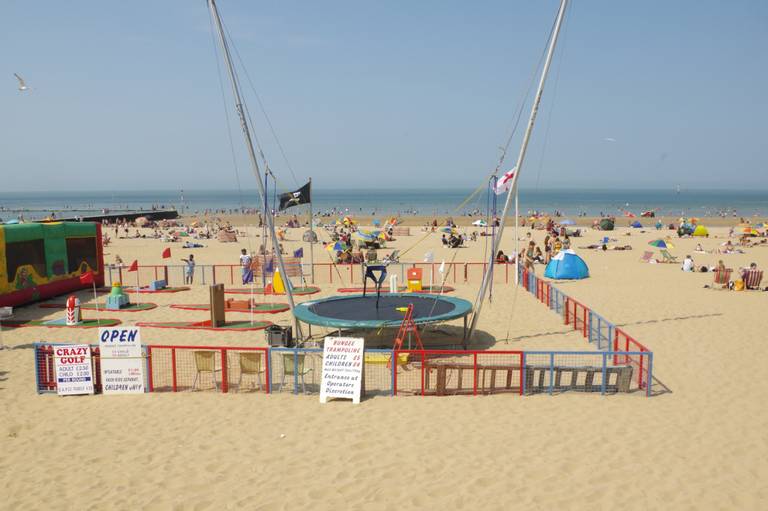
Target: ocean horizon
x,y
383,201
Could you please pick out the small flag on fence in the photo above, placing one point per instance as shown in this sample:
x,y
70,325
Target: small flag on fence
x,y
442,267
134,266
167,253
248,276
86,278
298,253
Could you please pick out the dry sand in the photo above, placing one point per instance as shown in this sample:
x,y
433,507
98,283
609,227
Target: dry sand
x,y
702,443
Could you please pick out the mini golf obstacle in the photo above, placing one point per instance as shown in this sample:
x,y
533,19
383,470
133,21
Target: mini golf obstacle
x,y
73,319
117,301
231,305
217,322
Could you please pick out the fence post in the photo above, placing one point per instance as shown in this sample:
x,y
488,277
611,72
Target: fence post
x,y
566,310
423,363
213,269
605,374
295,371
393,376
268,374
584,321
474,374
551,373
37,368
173,368
522,373
231,275
224,378
615,346
650,374
150,382
395,360
640,372
165,274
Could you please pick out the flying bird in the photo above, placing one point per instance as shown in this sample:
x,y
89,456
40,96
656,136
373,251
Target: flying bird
x,y
609,139
22,84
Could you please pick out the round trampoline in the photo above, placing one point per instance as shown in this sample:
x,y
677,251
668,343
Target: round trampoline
x,y
360,312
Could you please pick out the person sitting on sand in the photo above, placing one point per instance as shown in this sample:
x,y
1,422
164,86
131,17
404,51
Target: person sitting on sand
x,y
699,249
688,264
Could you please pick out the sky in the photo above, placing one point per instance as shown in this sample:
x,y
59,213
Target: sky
x,y
370,94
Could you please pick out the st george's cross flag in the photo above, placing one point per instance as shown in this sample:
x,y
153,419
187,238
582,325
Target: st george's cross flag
x,y
505,182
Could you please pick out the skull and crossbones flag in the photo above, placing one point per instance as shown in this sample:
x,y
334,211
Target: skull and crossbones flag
x,y
300,196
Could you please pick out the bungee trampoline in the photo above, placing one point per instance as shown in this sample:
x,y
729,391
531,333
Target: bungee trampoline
x,y
362,313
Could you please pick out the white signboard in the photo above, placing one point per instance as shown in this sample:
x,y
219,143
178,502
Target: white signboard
x,y
73,369
122,365
342,368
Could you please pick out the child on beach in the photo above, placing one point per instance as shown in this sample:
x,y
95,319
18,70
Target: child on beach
x,y
189,269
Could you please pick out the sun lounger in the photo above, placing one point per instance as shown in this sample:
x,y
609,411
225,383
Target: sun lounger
x,y
722,278
647,256
752,279
668,258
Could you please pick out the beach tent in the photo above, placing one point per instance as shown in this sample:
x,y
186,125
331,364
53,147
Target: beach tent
x,y
636,224
606,224
566,265
480,223
700,230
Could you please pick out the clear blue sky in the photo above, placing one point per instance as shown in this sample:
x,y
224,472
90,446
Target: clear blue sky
x,y
396,93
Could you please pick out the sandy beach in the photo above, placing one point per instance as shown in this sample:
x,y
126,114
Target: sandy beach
x,y
699,443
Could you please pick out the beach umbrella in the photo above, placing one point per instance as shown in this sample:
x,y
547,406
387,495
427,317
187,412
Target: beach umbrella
x,y
661,244
700,230
336,247
362,236
567,221
141,221
447,230
750,232
480,223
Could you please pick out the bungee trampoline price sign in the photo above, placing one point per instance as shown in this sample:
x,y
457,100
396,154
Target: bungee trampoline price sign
x,y
342,368
122,364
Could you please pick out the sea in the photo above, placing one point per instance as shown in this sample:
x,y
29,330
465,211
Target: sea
x,y
385,202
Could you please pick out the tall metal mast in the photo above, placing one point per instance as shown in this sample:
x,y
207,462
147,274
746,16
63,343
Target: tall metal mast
x,y
252,154
519,167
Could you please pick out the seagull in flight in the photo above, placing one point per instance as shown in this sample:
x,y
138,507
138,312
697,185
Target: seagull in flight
x,y
609,139
22,84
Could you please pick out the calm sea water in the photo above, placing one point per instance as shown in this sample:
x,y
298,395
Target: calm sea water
x,y
404,202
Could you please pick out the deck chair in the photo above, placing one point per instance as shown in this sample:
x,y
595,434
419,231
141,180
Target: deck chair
x,y
752,279
668,258
647,256
295,369
205,362
722,278
250,365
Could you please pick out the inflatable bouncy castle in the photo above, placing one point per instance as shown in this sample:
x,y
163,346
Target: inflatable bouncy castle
x,y
39,261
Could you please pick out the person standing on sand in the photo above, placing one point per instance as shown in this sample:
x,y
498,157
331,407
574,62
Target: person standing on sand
x,y
189,269
245,262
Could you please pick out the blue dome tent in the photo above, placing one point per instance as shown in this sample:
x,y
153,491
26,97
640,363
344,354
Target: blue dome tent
x,y
636,224
567,265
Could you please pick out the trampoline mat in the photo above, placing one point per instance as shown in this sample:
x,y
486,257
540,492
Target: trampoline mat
x,y
364,308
